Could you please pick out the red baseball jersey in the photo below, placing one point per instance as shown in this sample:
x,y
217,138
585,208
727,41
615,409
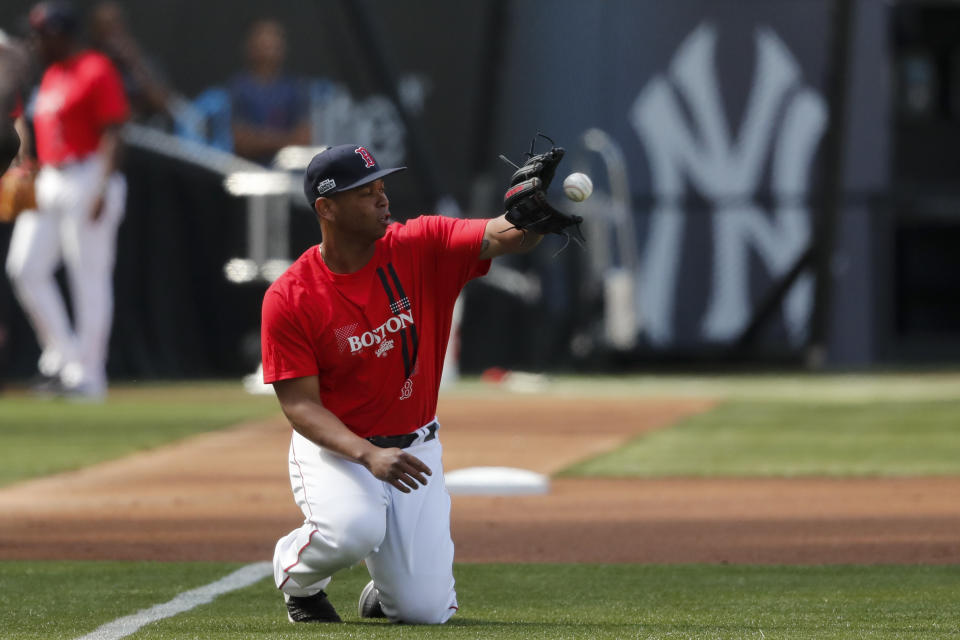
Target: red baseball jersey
x,y
78,98
375,338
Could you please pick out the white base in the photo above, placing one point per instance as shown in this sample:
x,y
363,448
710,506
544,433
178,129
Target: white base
x,y
496,481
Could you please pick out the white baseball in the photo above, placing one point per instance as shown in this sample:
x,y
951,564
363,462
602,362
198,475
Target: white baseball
x,y
577,186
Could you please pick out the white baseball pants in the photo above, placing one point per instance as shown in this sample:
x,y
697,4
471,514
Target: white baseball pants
x,y
61,229
352,516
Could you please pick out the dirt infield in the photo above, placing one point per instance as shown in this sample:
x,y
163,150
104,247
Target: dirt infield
x,y
224,496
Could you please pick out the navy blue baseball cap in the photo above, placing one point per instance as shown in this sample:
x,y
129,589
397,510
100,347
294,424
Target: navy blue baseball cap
x,y
341,168
53,18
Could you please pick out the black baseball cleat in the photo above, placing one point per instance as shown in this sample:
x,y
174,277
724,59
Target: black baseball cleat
x,y
315,608
369,606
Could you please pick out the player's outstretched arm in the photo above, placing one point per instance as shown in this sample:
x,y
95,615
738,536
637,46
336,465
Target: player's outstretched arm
x,y
300,400
501,238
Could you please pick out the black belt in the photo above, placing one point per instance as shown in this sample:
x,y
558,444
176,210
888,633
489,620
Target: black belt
x,y
405,440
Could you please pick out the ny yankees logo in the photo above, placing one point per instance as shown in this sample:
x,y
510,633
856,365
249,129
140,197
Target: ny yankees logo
x,y
781,127
367,158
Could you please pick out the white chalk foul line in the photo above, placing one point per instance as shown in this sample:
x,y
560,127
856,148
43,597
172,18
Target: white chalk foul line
x,y
123,627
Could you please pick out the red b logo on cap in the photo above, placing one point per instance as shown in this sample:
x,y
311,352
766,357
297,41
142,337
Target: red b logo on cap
x,y
367,158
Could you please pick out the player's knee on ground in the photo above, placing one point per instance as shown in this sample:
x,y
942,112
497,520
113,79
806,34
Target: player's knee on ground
x,y
318,550
426,602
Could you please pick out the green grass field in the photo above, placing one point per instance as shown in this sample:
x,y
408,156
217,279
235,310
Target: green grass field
x,y
763,425
795,425
73,435
510,602
793,438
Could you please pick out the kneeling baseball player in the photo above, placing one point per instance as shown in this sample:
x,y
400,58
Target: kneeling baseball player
x,y
354,335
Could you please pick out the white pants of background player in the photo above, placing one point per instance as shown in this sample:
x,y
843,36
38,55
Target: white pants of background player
x,y
351,516
61,230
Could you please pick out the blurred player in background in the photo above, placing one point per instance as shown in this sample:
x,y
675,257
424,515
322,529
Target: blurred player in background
x,y
80,201
269,109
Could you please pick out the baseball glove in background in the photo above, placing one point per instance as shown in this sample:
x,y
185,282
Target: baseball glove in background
x,y
17,192
525,202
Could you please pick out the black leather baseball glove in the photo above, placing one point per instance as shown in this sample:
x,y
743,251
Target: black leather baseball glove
x,y
525,202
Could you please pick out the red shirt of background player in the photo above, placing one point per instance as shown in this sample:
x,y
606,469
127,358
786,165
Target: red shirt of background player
x,y
78,98
375,338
